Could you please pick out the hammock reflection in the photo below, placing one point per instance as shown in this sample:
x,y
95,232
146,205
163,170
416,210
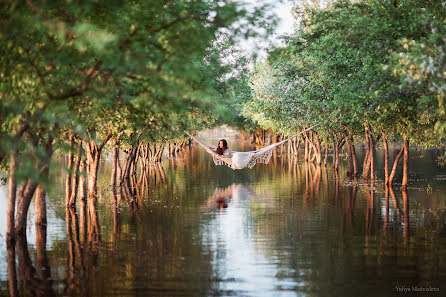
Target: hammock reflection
x,y
221,197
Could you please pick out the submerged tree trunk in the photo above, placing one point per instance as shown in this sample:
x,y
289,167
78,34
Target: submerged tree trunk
x,y
395,164
386,158
12,189
366,165
115,160
40,206
326,152
24,197
93,152
75,176
404,184
70,171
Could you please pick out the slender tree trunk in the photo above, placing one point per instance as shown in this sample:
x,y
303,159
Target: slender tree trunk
x,y
395,164
70,172
83,199
40,206
326,152
335,154
12,192
75,174
366,166
40,200
12,270
25,195
318,150
307,157
404,184
93,152
371,156
114,173
355,165
349,159
386,158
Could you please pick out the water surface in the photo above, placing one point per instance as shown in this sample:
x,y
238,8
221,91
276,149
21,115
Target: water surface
x,y
282,229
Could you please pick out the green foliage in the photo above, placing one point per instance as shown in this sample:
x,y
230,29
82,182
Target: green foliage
x,y
338,70
94,67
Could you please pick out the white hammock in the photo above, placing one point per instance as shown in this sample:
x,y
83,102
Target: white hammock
x,y
242,160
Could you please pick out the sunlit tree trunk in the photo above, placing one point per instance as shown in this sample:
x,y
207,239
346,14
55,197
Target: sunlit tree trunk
x,y
395,164
405,161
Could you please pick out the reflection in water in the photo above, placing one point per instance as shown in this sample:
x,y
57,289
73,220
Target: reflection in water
x,y
12,276
191,228
33,285
222,197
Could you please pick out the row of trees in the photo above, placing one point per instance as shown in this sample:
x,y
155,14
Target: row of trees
x,y
79,76
363,71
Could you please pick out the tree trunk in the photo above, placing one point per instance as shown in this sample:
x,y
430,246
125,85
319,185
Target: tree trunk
x,y
306,148
83,200
386,158
93,152
70,172
75,174
372,160
12,192
26,193
115,157
335,154
366,166
404,184
395,164
349,159
355,165
326,152
11,262
40,206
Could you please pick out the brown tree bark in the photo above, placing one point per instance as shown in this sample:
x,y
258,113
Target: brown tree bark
x,y
115,157
366,165
70,171
326,152
12,270
386,158
395,164
40,206
75,176
93,152
355,164
24,197
404,184
372,160
12,193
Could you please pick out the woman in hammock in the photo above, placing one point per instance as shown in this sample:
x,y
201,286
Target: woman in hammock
x,y
222,155
223,150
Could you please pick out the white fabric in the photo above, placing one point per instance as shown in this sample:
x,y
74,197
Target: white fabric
x,y
242,160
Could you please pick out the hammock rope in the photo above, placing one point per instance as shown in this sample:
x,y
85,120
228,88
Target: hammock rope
x,y
248,159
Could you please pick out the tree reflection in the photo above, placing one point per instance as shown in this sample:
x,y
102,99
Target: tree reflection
x,y
33,285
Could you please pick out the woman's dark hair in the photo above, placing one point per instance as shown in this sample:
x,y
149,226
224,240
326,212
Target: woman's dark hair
x,y
221,150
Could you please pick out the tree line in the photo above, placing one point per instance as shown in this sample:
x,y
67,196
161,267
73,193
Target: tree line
x,y
80,76
363,71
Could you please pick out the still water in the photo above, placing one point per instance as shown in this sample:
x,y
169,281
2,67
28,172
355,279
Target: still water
x,y
282,229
